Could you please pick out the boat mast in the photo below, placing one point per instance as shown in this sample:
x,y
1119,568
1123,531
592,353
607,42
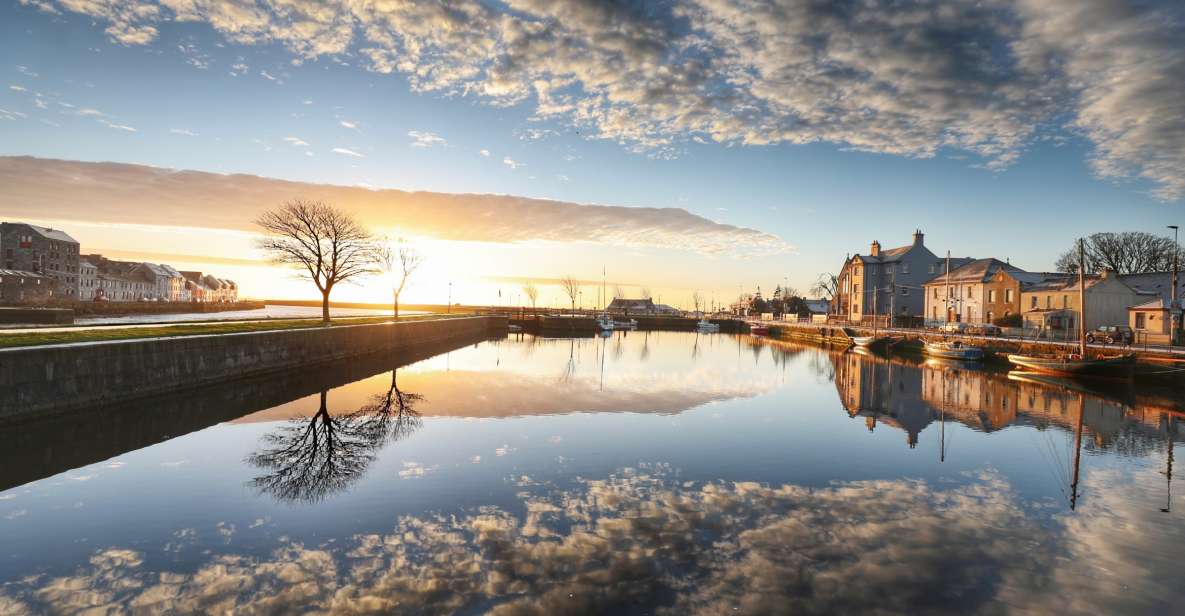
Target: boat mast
x,y
947,300
1081,299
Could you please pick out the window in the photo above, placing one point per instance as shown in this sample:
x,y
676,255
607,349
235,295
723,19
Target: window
x,y
969,291
1049,301
1033,303
1065,301
932,268
904,268
1008,295
904,291
856,288
989,316
992,296
935,292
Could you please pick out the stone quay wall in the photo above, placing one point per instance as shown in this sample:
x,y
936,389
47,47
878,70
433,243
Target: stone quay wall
x,y
63,377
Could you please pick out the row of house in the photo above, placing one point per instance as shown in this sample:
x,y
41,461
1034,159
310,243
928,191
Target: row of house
x,y
41,264
911,281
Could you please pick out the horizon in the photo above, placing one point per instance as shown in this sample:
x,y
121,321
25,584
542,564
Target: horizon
x,y
641,171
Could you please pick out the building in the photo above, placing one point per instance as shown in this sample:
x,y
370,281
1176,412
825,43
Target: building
x,y
200,287
621,305
889,281
88,280
979,291
42,250
24,287
1152,318
1053,304
817,306
167,283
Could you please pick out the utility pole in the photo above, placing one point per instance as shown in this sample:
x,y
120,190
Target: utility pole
x,y
1081,300
1175,315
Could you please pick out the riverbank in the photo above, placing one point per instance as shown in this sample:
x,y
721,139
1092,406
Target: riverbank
x,y
59,377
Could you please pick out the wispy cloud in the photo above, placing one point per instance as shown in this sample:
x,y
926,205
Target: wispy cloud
x,y
24,70
238,69
346,152
296,141
484,152
117,126
348,124
15,88
183,131
198,199
510,162
423,139
268,76
11,115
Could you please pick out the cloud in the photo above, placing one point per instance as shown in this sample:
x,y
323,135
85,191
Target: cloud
x,y
484,152
424,139
183,131
116,126
510,162
984,77
101,192
11,115
348,124
347,152
237,69
296,141
269,76
18,88
24,70
644,540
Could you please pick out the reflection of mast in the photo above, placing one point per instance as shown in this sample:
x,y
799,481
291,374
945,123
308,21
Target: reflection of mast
x,y
602,384
1077,452
1168,473
942,422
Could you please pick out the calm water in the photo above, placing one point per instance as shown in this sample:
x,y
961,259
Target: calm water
x,y
644,473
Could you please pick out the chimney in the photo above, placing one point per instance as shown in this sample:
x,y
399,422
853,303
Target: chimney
x,y
918,236
1107,272
876,249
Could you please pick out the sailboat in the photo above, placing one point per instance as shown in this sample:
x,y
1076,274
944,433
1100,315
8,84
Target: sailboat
x,y
952,349
1115,367
867,341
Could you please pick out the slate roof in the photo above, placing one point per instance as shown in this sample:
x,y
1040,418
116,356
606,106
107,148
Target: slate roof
x,y
1155,284
976,270
53,234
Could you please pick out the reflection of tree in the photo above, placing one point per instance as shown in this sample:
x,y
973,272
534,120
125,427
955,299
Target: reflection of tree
x,y
308,460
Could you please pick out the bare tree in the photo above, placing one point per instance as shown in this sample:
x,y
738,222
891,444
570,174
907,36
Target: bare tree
x,y
399,263
618,292
826,286
697,299
571,288
646,293
1130,252
532,293
327,243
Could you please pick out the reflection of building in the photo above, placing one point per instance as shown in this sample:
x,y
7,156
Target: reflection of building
x,y
911,397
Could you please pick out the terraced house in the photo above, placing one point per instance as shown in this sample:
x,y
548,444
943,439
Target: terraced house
x,y
885,282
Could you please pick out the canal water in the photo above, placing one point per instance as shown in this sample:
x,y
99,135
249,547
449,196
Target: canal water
x,y
642,473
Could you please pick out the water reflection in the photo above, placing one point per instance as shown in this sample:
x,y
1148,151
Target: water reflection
x,y
309,459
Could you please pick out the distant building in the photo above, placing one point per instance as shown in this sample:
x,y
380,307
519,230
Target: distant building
x,y
167,283
632,306
42,250
24,287
206,288
817,306
88,279
889,281
980,291
1152,316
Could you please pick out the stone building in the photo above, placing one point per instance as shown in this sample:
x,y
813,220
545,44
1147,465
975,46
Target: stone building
x,y
885,282
1054,304
42,250
88,279
24,287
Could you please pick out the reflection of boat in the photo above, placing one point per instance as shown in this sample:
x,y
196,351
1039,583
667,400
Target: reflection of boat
x,y
942,363
759,330
1120,367
512,328
706,326
954,350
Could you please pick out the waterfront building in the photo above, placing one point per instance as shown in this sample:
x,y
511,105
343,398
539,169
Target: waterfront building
x,y
42,250
88,279
1152,317
894,277
1053,304
621,305
980,291
167,283
25,287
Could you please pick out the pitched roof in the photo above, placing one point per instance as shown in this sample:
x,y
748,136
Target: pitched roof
x,y
53,234
1156,304
977,270
1154,283
21,273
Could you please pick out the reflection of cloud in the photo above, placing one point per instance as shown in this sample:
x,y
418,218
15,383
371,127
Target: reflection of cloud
x,y
646,540
907,78
101,192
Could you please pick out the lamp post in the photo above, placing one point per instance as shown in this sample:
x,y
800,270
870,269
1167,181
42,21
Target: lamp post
x,y
449,308
1176,317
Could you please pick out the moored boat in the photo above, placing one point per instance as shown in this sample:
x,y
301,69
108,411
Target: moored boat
x,y
867,341
707,326
1119,367
605,323
630,324
954,350
759,330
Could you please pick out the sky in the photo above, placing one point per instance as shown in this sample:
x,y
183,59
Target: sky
x,y
702,146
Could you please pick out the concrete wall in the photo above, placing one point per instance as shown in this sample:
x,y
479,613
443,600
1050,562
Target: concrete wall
x,y
63,377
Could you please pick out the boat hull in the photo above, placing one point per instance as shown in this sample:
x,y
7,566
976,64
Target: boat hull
x,y
866,341
1116,368
959,353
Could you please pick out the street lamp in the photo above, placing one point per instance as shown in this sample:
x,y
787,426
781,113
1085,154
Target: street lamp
x,y
449,308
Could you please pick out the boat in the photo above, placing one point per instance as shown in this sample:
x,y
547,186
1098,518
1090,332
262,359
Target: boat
x,y
1080,364
514,329
867,341
1118,367
630,324
759,330
954,350
606,323
706,326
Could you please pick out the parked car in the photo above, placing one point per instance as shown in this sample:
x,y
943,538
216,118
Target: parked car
x,y
1111,334
954,327
988,329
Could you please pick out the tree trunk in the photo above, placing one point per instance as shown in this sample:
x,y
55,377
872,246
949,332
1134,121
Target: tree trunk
x,y
395,305
325,307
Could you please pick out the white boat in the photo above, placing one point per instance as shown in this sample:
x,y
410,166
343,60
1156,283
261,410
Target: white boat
x,y
866,341
705,326
954,350
630,324
605,323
